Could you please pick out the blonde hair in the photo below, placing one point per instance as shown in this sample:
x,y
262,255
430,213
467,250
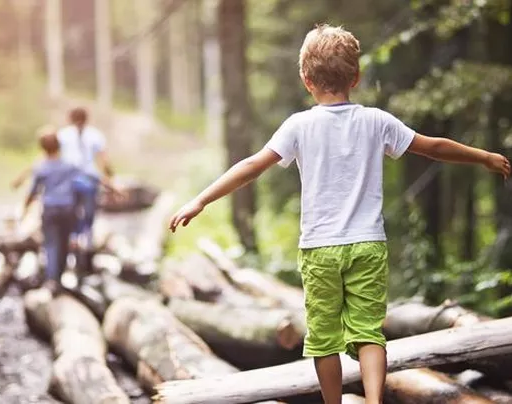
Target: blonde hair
x,y
329,58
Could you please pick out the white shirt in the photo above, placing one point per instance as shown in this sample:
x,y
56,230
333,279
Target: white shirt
x,y
339,152
81,149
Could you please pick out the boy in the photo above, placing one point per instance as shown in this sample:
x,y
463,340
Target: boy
x,y
339,149
56,180
84,146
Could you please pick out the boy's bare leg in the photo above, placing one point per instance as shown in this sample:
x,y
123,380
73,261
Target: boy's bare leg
x,y
328,370
373,363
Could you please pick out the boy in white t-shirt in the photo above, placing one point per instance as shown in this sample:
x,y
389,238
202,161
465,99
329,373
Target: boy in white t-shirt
x,y
339,149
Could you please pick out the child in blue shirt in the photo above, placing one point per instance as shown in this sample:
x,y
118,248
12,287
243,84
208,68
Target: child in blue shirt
x,y
55,179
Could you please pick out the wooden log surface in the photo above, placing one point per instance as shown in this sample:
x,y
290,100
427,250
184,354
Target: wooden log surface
x,y
80,373
29,272
413,318
251,280
5,274
157,345
208,283
246,337
424,386
453,345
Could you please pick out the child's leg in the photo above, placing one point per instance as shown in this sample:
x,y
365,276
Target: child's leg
x,y
364,311
328,370
373,363
66,223
323,289
51,247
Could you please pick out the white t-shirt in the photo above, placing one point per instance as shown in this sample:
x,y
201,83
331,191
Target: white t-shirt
x,y
339,152
81,150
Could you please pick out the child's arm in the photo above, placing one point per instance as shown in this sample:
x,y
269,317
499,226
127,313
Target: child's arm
x,y
236,177
31,196
442,149
21,178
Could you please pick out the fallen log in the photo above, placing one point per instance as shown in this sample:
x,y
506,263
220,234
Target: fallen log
x,y
157,345
208,283
19,236
424,386
5,274
246,337
80,374
413,318
29,272
491,338
137,196
174,286
252,281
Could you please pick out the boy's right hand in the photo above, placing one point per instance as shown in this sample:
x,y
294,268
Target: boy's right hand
x,y
186,214
498,164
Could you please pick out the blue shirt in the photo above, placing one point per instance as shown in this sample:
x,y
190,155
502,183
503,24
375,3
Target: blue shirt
x,y
55,180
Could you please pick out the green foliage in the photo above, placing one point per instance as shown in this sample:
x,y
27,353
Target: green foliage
x,y
443,94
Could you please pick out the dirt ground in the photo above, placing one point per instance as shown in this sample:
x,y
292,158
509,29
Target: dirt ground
x,y
26,362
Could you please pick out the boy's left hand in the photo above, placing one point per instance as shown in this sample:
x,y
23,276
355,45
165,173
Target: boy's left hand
x,y
499,164
185,214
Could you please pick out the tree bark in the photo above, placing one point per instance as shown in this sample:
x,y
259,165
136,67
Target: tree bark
x,y
145,61
208,283
80,374
247,338
252,281
455,345
413,318
232,39
424,386
157,345
54,48
104,62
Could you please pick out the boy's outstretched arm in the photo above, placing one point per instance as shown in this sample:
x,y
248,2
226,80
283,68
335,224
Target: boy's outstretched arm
x,y
21,178
442,149
236,177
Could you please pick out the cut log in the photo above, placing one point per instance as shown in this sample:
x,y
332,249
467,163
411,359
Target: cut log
x,y
246,337
413,318
495,395
138,196
20,236
148,245
80,374
491,338
424,386
174,286
5,274
253,281
29,272
208,283
157,345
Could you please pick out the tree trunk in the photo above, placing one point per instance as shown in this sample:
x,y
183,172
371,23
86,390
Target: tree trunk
x,y
157,345
80,374
232,39
487,339
424,386
247,338
54,48
145,61
468,250
185,59
104,62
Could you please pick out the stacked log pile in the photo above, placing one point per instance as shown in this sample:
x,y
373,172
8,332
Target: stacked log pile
x,y
204,330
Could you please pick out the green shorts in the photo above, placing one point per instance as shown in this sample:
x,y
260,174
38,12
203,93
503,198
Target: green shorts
x,y
346,297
